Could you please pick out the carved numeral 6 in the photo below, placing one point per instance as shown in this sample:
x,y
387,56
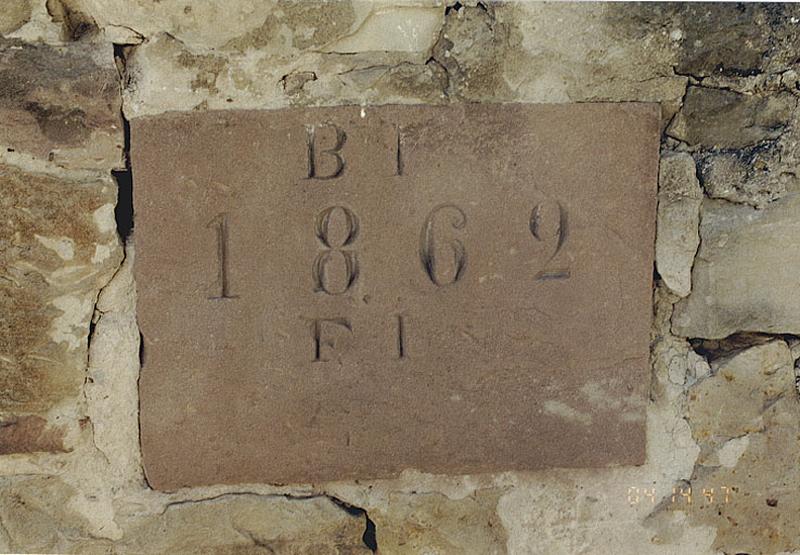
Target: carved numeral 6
x,y
432,254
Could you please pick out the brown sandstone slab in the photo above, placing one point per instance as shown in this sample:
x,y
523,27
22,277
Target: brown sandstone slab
x,y
343,293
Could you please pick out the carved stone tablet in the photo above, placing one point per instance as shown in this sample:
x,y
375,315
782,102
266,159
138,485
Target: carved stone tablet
x,y
339,293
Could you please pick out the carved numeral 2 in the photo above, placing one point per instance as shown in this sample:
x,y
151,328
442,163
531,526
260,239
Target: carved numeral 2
x,y
541,231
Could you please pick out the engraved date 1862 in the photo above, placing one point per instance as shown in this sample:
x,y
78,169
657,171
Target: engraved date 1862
x,y
443,256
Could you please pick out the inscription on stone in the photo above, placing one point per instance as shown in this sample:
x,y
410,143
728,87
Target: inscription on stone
x,y
340,293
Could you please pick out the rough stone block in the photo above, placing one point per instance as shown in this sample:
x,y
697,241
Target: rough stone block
x,y
717,118
677,237
61,103
58,247
745,416
745,274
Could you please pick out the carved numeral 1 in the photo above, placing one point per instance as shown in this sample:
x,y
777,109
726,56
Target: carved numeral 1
x,y
401,337
220,223
399,155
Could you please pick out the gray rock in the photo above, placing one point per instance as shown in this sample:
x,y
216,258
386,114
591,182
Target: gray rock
x,y
677,237
717,118
754,175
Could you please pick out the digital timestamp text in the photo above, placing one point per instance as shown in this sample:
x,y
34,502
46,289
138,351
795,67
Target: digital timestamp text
x,y
682,495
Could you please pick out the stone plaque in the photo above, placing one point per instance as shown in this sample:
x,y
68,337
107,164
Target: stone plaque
x,y
339,293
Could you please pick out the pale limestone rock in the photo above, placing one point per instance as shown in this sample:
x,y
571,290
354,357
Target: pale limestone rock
x,y
277,26
390,27
15,14
567,52
494,52
39,515
259,79
247,523
36,519
61,104
677,236
204,24
37,25
745,274
48,238
746,417
411,523
730,403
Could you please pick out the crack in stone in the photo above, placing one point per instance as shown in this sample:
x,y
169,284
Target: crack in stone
x,y
369,537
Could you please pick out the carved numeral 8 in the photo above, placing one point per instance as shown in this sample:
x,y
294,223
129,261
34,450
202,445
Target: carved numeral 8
x,y
323,281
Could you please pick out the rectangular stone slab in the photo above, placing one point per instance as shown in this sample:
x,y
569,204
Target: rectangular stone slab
x,y
345,293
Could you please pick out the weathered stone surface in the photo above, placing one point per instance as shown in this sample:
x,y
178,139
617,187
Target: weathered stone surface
x,y
532,52
561,52
411,523
280,25
75,24
677,237
248,523
36,517
113,373
746,418
755,175
731,402
61,103
471,50
717,118
262,80
474,290
15,14
207,25
28,434
393,28
58,247
736,40
745,275
39,515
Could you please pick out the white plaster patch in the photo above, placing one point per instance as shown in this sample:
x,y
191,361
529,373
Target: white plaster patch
x,y
728,455
563,410
104,218
71,326
597,395
101,253
64,247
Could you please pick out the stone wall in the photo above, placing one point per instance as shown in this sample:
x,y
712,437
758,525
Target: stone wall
x,y
723,417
